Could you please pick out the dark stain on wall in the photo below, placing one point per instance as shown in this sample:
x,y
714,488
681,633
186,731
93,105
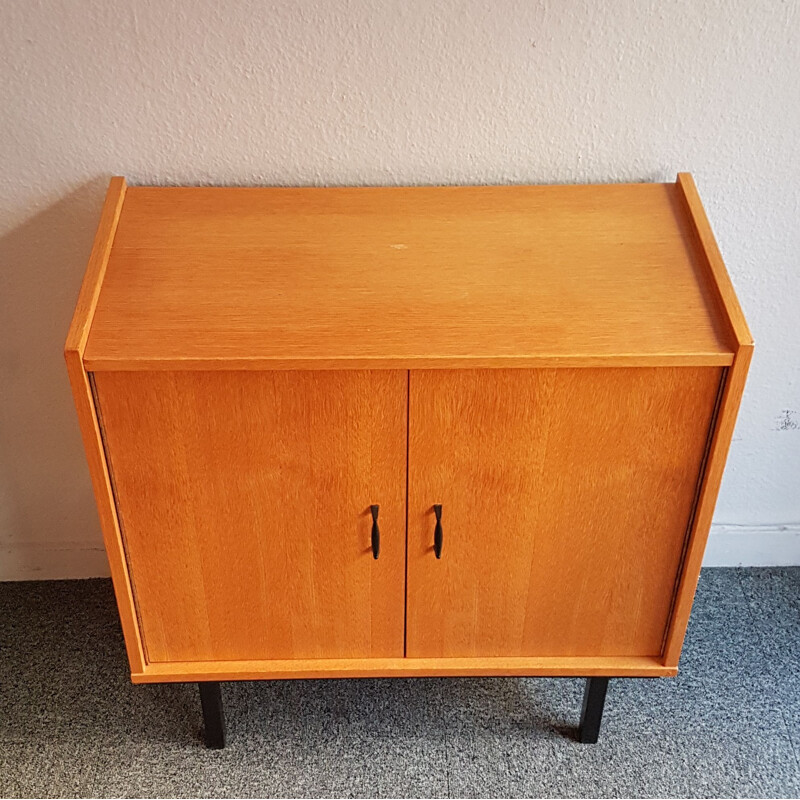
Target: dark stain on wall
x,y
787,421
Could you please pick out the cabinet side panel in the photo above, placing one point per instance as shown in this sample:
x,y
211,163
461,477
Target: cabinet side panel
x,y
87,417
566,497
245,504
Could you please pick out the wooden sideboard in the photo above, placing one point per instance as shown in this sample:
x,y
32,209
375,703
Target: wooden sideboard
x,y
357,432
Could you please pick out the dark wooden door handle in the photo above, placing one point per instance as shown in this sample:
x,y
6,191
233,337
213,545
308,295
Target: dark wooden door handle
x,y
376,533
438,534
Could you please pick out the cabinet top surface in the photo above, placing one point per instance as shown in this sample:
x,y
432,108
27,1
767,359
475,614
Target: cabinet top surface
x,y
381,277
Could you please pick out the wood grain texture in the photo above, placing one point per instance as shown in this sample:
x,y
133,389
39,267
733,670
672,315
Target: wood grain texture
x,y
566,498
87,419
704,512
720,279
210,278
402,668
244,500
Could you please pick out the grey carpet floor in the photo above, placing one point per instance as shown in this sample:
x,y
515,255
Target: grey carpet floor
x,y
71,723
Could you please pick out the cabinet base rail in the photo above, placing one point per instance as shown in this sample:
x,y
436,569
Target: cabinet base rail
x,y
594,698
494,667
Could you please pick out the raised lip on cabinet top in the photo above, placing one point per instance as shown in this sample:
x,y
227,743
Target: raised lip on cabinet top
x,y
406,277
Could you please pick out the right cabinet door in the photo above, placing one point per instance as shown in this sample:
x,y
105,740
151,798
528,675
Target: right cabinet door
x,y
566,496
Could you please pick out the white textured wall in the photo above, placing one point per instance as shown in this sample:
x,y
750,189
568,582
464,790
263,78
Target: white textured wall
x,y
388,92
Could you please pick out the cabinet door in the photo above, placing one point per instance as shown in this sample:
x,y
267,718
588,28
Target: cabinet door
x,y
566,496
244,501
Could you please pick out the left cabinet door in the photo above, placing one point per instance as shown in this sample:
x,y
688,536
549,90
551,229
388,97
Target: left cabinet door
x,y
244,501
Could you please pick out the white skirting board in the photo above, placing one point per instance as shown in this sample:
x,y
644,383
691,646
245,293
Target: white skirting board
x,y
48,561
728,546
753,546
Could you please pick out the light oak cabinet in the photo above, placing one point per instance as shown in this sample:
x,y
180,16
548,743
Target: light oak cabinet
x,y
406,431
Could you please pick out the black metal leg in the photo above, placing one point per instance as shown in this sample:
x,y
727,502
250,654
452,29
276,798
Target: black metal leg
x,y
213,715
594,698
